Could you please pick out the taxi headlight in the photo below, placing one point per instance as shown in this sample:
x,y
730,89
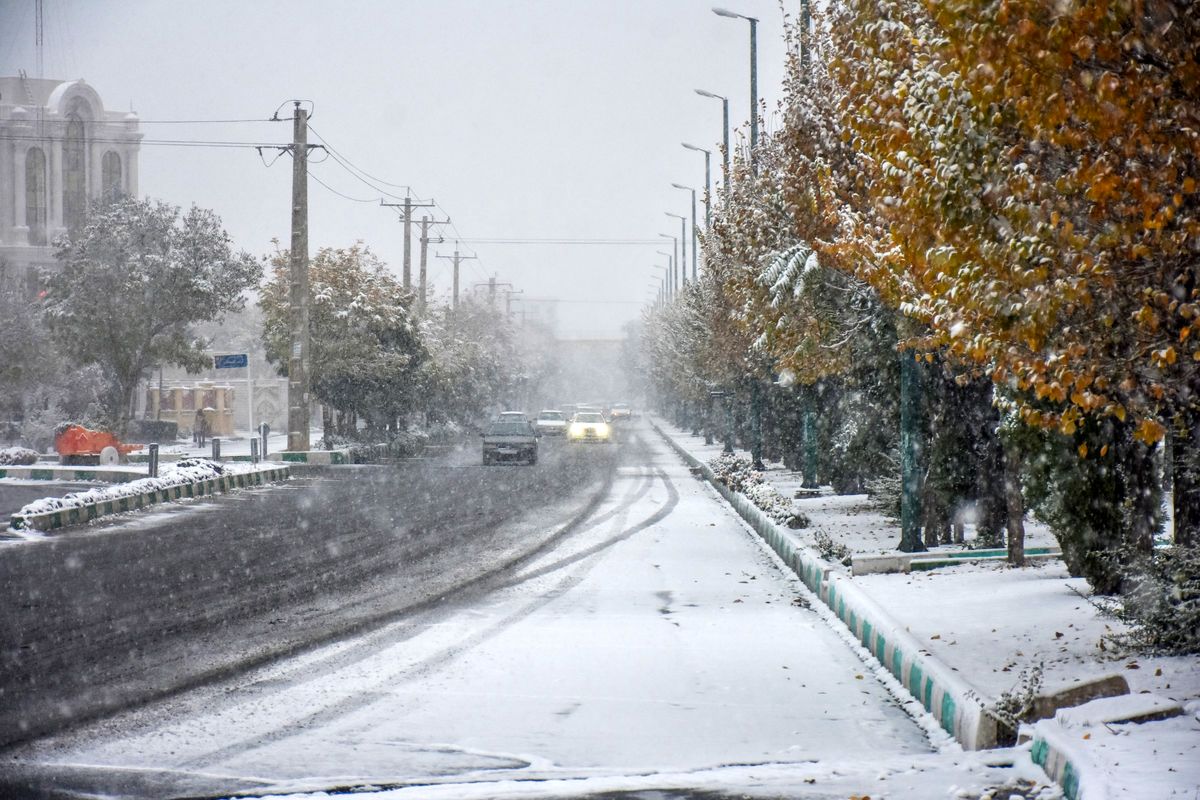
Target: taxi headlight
x,y
576,429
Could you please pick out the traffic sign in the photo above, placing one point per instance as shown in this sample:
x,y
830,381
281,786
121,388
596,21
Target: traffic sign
x,y
231,361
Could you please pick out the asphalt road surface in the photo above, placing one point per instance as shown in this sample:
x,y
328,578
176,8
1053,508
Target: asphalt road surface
x,y
114,614
597,625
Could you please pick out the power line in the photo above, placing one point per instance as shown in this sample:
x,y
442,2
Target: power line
x,y
361,174
160,142
339,194
203,121
565,241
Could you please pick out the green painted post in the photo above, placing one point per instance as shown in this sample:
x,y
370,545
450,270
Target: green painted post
x,y
756,403
729,422
809,428
910,454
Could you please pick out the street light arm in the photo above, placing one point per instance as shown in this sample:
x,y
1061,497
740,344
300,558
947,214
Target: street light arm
x,y
697,149
706,93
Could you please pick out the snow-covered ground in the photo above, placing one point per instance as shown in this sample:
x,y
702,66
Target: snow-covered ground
x,y
989,622
658,646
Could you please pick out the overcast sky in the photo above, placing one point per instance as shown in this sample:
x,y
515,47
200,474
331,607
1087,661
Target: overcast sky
x,y
525,119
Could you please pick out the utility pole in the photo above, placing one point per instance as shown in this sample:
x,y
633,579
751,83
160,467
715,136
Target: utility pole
x,y
298,422
456,258
426,222
408,205
508,295
492,285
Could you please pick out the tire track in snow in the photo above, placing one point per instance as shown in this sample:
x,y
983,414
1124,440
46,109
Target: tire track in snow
x,y
448,654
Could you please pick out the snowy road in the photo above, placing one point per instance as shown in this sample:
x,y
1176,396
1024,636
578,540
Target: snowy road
x,y
655,639
109,614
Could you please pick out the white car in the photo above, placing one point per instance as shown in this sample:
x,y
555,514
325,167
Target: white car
x,y
551,422
620,411
589,427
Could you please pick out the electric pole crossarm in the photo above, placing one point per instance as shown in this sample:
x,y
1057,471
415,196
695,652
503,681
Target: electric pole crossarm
x,y
408,205
456,258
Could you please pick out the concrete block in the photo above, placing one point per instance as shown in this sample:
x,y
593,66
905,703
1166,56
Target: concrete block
x,y
1115,710
876,565
1050,700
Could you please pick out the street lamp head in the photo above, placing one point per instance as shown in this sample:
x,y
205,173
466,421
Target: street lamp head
x,y
685,188
676,216
661,253
724,12
697,149
706,93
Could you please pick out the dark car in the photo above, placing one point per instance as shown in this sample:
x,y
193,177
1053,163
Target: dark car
x,y
510,440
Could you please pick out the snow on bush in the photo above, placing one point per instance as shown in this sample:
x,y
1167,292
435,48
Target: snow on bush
x,y
1163,604
733,471
740,476
829,548
181,473
17,456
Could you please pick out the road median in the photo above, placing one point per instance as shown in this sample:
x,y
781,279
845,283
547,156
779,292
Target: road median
x,y
187,479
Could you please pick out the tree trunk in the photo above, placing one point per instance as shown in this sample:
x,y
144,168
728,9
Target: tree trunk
x,y
327,424
1015,505
911,429
1185,476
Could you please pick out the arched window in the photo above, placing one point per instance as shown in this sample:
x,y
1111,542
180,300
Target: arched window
x,y
110,179
74,173
35,195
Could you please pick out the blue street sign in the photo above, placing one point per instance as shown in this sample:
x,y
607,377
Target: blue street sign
x,y
231,361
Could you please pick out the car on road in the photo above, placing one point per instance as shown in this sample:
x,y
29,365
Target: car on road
x,y
512,416
589,426
551,422
513,440
620,411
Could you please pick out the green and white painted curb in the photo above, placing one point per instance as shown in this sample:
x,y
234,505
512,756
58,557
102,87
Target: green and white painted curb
x,y
63,517
322,458
919,562
64,473
958,708
1053,751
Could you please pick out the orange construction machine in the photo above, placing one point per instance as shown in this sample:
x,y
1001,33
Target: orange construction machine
x,y
79,445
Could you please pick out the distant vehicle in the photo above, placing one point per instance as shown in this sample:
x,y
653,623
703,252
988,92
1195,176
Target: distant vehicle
x,y
551,422
588,408
510,440
589,426
620,411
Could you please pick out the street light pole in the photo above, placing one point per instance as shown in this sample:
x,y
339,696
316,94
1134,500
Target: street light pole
x,y
665,278
682,245
707,183
724,127
694,227
674,259
721,12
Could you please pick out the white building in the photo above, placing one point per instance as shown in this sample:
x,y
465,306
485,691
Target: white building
x,y
59,149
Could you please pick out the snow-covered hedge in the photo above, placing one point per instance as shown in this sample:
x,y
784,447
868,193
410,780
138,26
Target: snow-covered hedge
x,y
181,473
17,456
740,476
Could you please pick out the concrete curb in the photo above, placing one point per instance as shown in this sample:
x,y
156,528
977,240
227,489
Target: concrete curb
x,y
322,458
61,518
957,706
1065,764
919,562
61,473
